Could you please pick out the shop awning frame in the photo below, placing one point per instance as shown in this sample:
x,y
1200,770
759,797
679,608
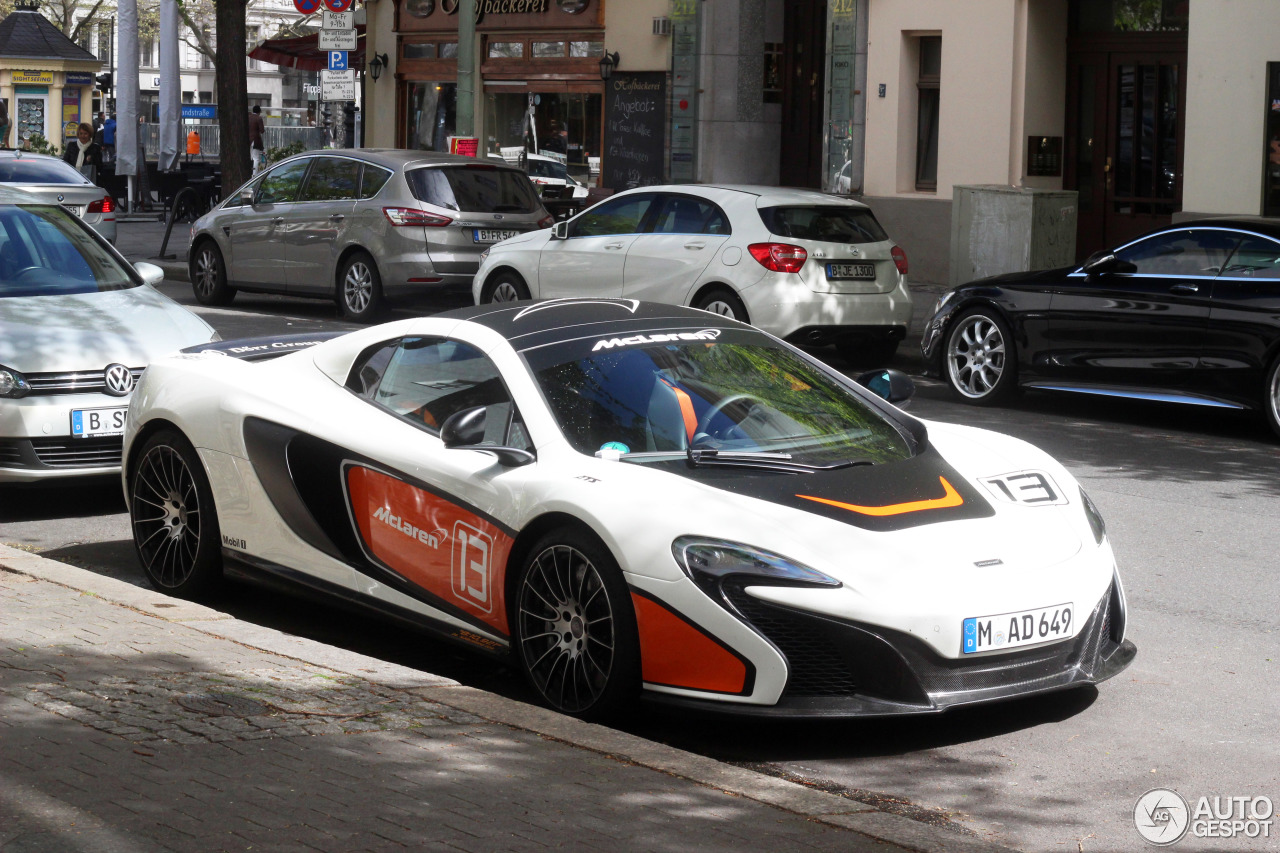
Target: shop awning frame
x,y
304,53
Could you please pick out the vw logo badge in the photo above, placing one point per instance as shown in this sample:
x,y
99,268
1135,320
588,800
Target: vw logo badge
x,y
119,380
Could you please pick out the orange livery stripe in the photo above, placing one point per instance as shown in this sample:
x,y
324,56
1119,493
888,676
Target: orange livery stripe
x,y
950,498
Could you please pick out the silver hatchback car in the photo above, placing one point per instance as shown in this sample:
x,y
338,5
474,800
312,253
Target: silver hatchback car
x,y
360,226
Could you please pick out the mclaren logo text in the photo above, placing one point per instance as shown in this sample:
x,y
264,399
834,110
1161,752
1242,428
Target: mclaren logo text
x,y
384,515
660,338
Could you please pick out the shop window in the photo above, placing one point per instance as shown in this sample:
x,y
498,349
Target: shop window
x,y
548,50
772,87
584,49
506,50
420,51
928,90
433,108
1271,152
449,50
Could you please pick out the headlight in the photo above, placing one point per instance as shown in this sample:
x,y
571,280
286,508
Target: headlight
x,y
484,255
12,383
1096,524
710,561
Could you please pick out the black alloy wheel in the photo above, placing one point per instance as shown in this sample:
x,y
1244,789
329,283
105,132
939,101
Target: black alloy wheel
x,y
506,286
360,289
725,302
1271,399
175,526
209,275
575,630
981,363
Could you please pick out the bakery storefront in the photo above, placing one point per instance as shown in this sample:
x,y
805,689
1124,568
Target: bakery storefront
x,y
540,85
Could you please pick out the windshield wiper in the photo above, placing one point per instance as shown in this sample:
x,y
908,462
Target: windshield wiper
x,y
761,459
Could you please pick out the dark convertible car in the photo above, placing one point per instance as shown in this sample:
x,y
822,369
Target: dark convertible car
x,y
1186,314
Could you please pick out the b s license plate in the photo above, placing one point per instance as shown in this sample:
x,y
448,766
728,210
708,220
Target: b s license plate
x,y
490,235
839,271
87,423
1010,630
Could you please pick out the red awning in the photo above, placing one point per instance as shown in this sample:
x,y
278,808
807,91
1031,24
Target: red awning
x,y
303,53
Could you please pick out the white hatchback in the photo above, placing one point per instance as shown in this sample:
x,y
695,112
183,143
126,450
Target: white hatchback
x,y
812,269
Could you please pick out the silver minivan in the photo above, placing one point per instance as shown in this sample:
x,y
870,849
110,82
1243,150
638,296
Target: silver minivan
x,y
361,226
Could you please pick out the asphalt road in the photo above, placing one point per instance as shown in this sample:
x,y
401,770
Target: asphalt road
x,y
1190,499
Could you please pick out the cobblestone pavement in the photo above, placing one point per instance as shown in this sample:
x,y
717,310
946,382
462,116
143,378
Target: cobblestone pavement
x,y
123,730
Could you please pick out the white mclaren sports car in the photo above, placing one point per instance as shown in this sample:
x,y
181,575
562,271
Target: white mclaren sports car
x,y
630,498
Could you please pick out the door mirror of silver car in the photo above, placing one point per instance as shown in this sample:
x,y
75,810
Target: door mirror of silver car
x,y
560,231
465,430
893,385
151,274
246,195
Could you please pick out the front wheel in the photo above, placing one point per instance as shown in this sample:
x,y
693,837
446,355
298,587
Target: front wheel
x,y
981,362
360,289
1271,403
506,286
175,527
575,629
209,275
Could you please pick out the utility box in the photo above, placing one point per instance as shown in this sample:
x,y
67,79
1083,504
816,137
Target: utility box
x,y
998,229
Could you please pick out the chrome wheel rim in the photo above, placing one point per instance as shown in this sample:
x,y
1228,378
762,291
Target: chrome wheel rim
x,y
976,356
357,287
721,307
206,271
1275,396
166,516
505,291
566,628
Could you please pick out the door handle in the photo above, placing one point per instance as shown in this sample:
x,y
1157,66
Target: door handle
x,y
279,220
614,245
1185,288
337,217
695,244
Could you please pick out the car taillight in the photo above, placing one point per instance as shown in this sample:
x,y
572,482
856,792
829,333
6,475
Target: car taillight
x,y
779,257
412,216
546,221
899,259
106,204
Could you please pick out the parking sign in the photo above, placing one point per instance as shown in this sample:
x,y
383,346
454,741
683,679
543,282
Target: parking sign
x,y
337,60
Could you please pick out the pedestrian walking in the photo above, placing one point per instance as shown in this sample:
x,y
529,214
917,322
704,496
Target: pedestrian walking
x,y
256,128
4,123
109,139
83,153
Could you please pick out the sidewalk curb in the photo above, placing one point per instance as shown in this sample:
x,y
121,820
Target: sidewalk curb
x,y
788,796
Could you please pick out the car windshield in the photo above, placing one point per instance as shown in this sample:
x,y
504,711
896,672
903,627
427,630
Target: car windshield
x,y
548,169
831,224
15,170
474,189
45,251
729,391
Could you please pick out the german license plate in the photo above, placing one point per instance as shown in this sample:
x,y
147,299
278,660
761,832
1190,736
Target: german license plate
x,y
838,271
87,423
77,209
491,235
1010,630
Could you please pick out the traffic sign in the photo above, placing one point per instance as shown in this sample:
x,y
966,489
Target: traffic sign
x,y
337,40
338,5
338,20
307,7
337,60
338,85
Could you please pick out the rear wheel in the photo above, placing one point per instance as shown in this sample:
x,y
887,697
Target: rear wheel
x,y
175,527
724,302
506,286
1271,403
209,275
981,363
575,629
360,289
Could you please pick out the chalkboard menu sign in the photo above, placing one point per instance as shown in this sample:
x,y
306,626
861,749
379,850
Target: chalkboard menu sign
x,y
635,122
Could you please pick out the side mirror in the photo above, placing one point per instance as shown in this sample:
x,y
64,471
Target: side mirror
x,y
151,274
464,430
893,385
560,231
246,196
1099,263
